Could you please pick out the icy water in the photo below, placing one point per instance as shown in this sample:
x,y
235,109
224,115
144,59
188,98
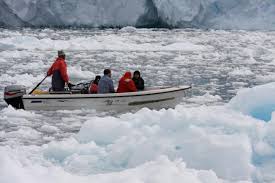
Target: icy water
x,y
207,138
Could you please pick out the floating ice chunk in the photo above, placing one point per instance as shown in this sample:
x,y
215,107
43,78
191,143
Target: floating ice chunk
x,y
238,84
76,72
49,129
27,133
27,80
29,66
160,170
23,42
205,99
185,46
134,139
103,130
2,61
258,102
2,134
48,138
69,151
106,42
11,112
6,46
265,78
18,54
269,137
241,72
264,149
128,29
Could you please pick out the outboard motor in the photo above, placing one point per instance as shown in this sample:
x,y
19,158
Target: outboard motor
x,y
13,95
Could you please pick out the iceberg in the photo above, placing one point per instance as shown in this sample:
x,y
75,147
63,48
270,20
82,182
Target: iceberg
x,y
258,102
213,14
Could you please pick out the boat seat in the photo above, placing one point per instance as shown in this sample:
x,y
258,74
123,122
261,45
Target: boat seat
x,y
39,92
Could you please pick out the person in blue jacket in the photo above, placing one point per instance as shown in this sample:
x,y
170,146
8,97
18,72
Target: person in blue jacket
x,y
105,84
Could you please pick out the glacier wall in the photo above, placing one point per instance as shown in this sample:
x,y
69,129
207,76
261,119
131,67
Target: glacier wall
x,y
7,17
217,14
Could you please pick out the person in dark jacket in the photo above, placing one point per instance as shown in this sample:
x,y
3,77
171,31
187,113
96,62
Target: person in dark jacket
x,y
126,84
139,82
105,84
94,85
58,70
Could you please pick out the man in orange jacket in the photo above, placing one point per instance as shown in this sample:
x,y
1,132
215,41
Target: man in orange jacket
x,y
126,84
58,70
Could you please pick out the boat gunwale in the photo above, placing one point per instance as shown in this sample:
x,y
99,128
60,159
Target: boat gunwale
x,y
109,95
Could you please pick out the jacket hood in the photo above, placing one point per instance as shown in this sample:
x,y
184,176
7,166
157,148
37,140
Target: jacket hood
x,y
137,72
59,58
127,75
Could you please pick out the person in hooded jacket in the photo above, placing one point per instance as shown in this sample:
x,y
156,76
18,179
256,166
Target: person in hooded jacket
x,y
58,70
126,84
139,82
94,85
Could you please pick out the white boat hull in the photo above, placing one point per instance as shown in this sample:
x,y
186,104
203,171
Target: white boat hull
x,y
153,99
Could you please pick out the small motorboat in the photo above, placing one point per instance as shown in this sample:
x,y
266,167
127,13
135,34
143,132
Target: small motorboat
x,y
152,98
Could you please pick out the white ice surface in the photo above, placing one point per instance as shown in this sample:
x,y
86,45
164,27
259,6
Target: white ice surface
x,y
112,42
109,147
226,143
217,138
162,170
241,71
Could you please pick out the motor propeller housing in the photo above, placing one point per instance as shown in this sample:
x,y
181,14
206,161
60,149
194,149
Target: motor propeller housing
x,y
13,95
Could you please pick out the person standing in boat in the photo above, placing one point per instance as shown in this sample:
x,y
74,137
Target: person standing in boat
x,y
126,84
139,82
105,84
58,70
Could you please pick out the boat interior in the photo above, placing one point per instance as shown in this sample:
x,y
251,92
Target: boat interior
x,y
84,91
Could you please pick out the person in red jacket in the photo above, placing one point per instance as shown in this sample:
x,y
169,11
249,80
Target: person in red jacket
x,y
126,84
94,85
58,70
